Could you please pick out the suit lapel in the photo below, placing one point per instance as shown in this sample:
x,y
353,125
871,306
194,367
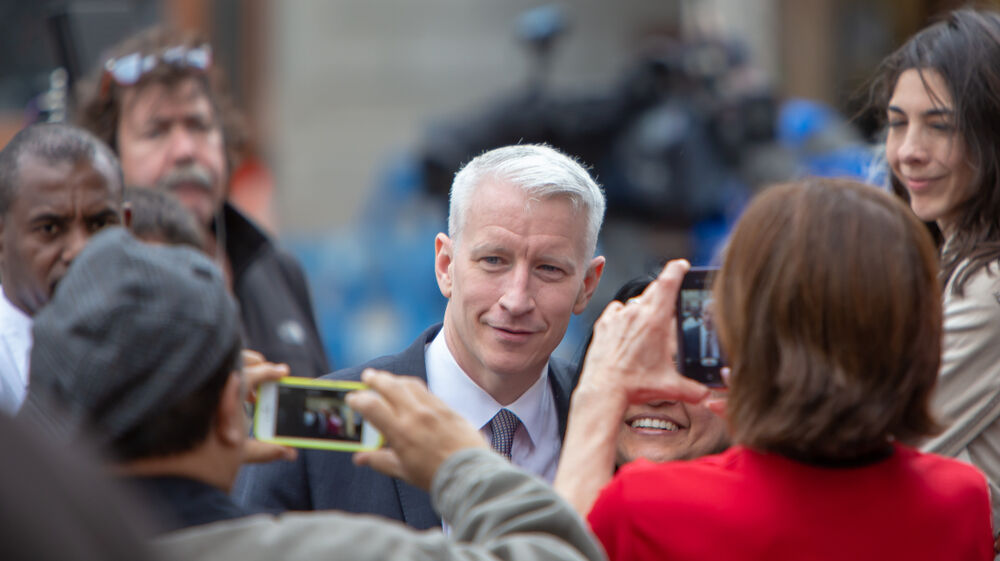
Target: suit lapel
x,y
416,506
413,502
561,378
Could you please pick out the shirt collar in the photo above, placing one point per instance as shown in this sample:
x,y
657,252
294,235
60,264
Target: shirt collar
x,y
14,320
244,240
447,380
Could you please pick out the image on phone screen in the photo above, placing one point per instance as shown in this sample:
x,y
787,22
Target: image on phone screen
x,y
312,413
316,413
700,354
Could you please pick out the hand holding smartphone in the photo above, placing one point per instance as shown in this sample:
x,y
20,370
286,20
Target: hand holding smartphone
x,y
699,352
312,413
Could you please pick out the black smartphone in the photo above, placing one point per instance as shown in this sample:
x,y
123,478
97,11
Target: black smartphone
x,y
699,352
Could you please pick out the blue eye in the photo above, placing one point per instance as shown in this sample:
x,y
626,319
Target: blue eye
x,y
551,272
492,262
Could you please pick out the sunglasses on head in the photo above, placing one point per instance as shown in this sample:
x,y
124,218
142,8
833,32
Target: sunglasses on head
x,y
128,69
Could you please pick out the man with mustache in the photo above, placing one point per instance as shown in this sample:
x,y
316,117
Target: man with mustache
x,y
58,187
517,262
158,102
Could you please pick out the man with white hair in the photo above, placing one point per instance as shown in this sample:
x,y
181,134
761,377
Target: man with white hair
x,y
517,262
138,354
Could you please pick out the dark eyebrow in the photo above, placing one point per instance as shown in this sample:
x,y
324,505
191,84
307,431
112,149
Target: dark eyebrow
x,y
104,213
939,112
935,112
46,216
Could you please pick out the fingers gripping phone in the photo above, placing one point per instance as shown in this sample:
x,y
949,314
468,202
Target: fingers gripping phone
x,y
699,352
308,413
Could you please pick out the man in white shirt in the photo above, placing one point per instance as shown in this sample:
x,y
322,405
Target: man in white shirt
x,y
701,335
15,343
517,262
59,185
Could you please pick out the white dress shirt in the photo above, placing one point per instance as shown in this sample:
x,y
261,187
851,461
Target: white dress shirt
x,y
15,345
536,443
709,343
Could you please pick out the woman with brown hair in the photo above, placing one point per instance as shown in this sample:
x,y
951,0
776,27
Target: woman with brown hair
x,y
940,96
827,304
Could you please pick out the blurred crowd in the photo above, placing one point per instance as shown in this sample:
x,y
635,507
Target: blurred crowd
x,y
858,415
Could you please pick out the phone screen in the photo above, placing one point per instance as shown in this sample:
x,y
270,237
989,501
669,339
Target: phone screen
x,y
320,413
312,413
699,353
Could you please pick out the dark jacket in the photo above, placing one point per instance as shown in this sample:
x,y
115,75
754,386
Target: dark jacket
x,y
274,299
321,480
180,502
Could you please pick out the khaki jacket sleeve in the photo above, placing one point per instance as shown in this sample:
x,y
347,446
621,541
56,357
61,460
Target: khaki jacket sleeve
x,y
967,397
495,511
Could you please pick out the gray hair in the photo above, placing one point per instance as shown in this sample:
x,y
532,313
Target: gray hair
x,y
53,143
541,172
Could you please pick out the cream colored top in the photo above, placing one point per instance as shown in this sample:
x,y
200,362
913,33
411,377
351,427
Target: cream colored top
x,y
968,393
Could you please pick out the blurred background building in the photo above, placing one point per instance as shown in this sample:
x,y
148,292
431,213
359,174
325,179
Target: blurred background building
x,y
362,110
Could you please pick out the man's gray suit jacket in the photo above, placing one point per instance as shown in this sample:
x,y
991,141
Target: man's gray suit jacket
x,y
325,480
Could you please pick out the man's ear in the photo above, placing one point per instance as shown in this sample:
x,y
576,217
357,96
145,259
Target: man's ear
x,y
230,418
590,281
443,259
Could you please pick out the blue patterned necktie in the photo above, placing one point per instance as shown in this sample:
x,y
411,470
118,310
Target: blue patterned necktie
x,y
504,424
